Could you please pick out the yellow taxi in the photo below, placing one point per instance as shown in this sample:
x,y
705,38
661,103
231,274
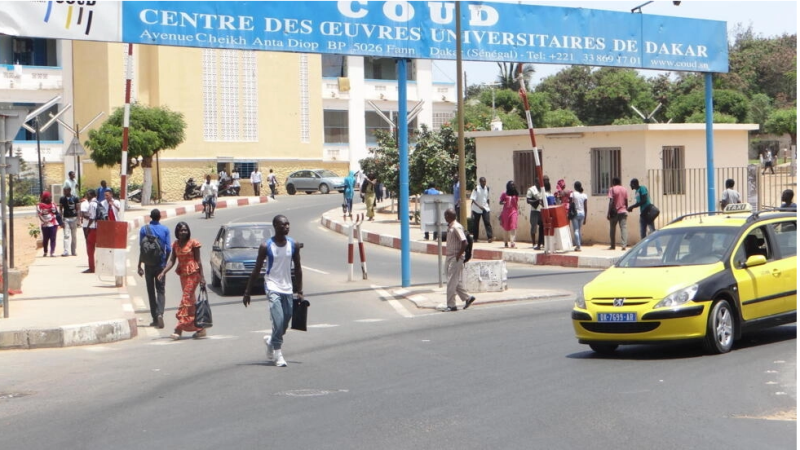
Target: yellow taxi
x,y
706,277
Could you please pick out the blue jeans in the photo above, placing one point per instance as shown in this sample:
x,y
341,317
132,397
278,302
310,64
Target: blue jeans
x,y
280,308
644,225
348,209
577,223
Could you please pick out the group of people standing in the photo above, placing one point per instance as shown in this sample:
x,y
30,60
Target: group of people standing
x,y
72,213
575,203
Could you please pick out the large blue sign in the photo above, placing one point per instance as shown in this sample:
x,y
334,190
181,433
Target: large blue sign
x,y
490,32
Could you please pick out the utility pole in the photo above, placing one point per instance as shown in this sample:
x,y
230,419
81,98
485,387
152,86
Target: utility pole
x,y
10,121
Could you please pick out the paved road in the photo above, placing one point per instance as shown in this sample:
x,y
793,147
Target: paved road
x,y
366,377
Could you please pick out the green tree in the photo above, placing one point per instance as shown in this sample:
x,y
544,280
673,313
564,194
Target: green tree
x,y
760,109
761,65
435,160
727,102
783,121
613,93
568,88
509,73
718,117
560,118
151,129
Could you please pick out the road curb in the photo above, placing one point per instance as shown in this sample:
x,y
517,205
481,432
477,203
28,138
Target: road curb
x,y
106,331
536,259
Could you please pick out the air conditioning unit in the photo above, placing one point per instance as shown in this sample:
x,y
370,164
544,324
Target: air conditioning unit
x,y
57,191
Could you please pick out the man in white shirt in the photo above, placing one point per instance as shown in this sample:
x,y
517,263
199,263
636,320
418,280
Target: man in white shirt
x,y
534,199
111,207
255,179
71,183
235,178
91,228
480,209
209,191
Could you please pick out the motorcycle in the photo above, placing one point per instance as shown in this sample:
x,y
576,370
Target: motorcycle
x,y
135,196
227,189
191,190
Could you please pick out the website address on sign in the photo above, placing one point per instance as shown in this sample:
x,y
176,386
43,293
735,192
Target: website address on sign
x,y
694,65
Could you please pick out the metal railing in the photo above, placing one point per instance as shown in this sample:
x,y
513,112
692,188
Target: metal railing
x,y
684,191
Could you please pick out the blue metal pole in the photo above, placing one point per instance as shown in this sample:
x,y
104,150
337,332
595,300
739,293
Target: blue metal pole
x,y
712,203
402,144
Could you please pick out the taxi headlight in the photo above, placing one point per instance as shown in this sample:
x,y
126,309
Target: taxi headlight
x,y
678,297
580,302
234,266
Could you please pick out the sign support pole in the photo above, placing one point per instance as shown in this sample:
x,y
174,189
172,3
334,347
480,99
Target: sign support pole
x,y
402,147
712,194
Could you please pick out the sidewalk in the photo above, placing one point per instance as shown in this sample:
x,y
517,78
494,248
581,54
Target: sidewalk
x,y
60,307
385,231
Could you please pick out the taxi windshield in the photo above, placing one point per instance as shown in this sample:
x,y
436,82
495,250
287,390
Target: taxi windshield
x,y
681,247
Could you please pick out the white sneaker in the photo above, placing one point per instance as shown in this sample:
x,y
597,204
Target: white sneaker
x,y
270,349
279,361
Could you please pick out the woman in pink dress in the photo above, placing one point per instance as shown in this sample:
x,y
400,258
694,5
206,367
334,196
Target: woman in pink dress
x,y
190,269
508,218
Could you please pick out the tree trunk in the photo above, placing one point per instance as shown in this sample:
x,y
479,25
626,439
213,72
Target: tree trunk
x,y
147,181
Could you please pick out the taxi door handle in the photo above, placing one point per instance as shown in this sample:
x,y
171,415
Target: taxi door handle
x,y
776,273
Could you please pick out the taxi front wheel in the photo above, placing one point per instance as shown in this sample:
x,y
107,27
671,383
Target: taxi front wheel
x,y
720,329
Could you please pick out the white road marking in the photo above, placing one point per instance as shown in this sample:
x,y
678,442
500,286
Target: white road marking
x,y
99,349
131,281
398,307
315,270
133,237
127,307
369,320
263,331
323,325
139,305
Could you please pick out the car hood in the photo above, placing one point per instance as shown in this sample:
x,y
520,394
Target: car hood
x,y
646,282
240,254
336,180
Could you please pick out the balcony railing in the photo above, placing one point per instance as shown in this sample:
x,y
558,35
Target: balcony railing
x,y
387,90
32,78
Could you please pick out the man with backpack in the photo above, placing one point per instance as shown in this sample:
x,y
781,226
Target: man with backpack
x,y
456,248
154,250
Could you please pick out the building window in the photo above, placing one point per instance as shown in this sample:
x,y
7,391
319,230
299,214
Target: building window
x,y
674,164
250,96
373,122
210,117
525,170
245,169
337,126
305,120
606,165
230,95
442,118
383,69
334,66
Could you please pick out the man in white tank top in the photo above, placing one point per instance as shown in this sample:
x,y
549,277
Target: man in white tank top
x,y
279,252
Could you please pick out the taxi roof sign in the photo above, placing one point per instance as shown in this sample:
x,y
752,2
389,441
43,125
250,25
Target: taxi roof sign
x,y
739,207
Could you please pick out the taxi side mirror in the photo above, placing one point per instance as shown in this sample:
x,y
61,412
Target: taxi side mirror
x,y
755,260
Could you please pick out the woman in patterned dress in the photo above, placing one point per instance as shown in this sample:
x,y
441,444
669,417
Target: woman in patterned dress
x,y
190,269
508,218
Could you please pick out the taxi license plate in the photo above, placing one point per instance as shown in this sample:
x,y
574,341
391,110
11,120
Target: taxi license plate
x,y
616,317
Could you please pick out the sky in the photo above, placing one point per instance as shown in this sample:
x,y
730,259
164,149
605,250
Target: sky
x,y
768,18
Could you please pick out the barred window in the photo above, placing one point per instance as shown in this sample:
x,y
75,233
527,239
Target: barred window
x,y
674,164
305,118
245,169
525,170
606,165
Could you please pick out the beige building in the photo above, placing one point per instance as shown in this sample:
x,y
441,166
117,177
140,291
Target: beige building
x,y
664,153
